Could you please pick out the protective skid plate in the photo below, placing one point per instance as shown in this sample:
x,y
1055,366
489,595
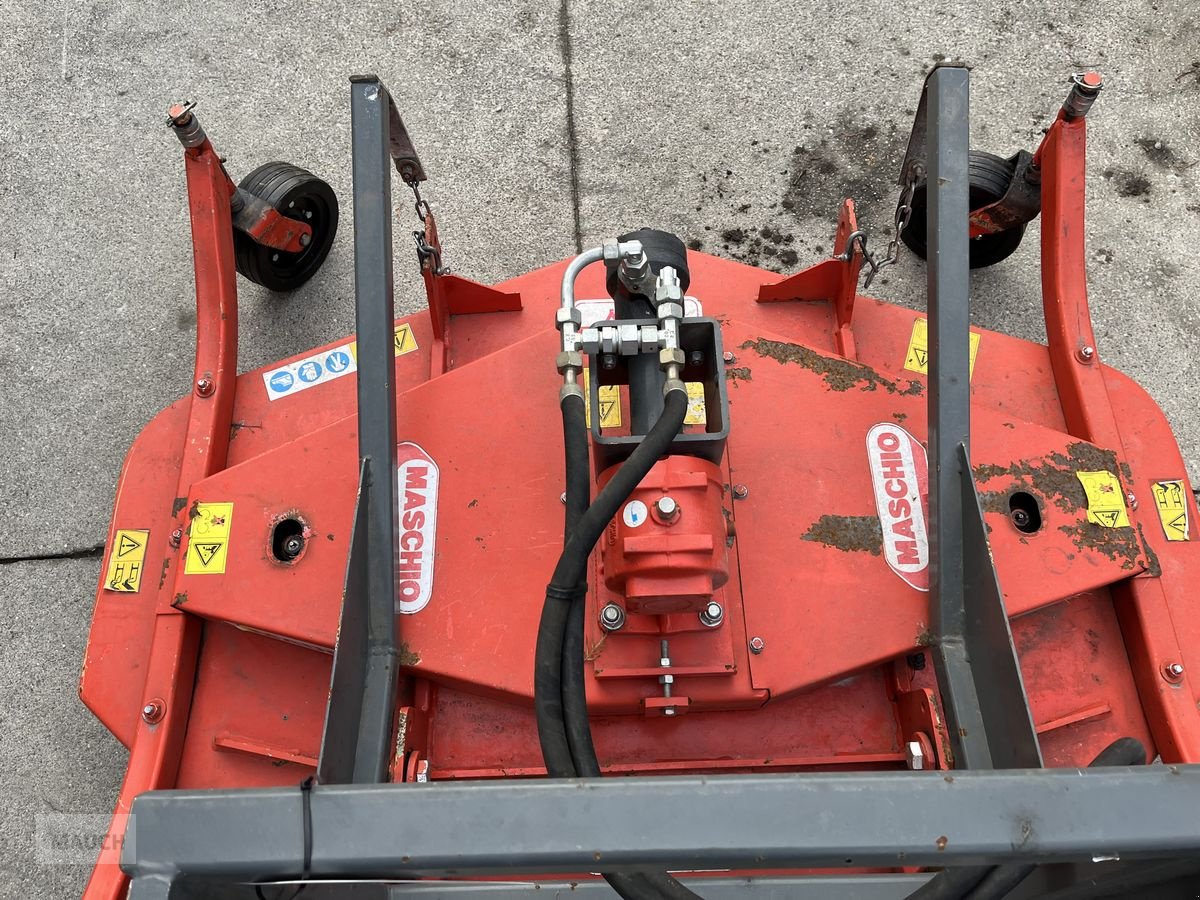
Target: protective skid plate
x,y
809,575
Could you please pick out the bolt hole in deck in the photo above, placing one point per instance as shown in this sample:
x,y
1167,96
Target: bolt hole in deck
x,y
1026,516
287,540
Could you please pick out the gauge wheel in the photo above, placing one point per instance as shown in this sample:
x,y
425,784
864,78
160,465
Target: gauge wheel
x,y
989,179
297,194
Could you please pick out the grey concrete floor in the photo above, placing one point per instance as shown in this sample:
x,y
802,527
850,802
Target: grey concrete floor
x,y
738,125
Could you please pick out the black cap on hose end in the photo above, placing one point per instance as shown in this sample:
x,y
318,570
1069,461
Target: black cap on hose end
x,y
662,249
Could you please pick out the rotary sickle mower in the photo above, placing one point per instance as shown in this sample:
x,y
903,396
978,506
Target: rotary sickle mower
x,y
650,562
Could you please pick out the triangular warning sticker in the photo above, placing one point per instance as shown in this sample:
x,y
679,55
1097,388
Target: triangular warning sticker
x,y
1179,523
126,545
1108,517
922,357
206,552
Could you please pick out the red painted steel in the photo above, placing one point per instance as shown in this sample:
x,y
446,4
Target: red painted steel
x,y
817,662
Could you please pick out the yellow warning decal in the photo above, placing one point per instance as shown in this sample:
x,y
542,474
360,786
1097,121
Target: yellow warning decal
x,y
1106,500
403,340
1171,502
696,413
917,357
610,403
125,561
208,539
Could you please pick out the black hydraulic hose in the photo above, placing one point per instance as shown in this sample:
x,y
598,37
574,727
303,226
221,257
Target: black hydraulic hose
x,y
580,757
995,882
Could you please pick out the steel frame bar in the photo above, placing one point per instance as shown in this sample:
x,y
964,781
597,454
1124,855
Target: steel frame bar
x,y
744,821
977,670
370,109
170,671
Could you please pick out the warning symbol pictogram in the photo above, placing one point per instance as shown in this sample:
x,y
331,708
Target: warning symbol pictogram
x,y
404,340
127,545
208,544
916,358
1171,501
1105,499
125,562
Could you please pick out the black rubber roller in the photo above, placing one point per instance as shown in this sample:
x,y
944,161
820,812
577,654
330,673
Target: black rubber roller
x,y
662,249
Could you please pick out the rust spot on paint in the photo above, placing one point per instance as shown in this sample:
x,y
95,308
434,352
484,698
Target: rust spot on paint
x,y
406,656
1052,477
1118,544
180,599
180,503
925,638
1151,557
839,374
472,504
847,533
741,373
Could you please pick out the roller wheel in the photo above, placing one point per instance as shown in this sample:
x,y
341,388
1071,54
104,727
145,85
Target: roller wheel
x,y
989,178
297,194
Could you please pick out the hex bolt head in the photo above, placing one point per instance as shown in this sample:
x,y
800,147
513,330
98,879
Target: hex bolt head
x,y
740,492
696,358
668,711
728,357
612,617
176,537
712,615
1020,518
666,507
1086,353
204,386
757,645
1173,672
914,753
292,546
1132,498
153,711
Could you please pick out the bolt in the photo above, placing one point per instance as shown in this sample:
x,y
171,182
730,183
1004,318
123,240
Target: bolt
x,y
712,615
729,357
562,498
740,492
1020,518
1132,498
915,754
757,645
916,661
608,361
668,710
305,240
153,711
696,358
1087,353
204,386
176,537
1173,671
292,546
667,507
612,617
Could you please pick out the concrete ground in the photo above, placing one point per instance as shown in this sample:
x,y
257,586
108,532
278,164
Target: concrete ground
x,y
737,125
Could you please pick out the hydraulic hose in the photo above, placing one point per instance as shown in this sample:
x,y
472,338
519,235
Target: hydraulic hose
x,y
995,882
567,743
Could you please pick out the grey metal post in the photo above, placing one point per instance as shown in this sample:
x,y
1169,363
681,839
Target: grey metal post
x,y
375,320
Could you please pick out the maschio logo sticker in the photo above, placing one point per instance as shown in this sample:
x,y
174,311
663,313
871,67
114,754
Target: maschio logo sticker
x,y
417,478
900,476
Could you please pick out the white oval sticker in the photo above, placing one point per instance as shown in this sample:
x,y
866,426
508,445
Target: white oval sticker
x,y
900,475
635,513
417,478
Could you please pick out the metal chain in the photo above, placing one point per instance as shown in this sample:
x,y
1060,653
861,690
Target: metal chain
x,y
425,250
891,255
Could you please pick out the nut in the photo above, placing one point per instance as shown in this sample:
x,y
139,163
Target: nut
x,y
572,359
670,357
204,386
668,290
670,310
608,339
612,249
627,335
1087,353
649,337
667,507
915,754
712,615
562,315
757,645
612,617
740,492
